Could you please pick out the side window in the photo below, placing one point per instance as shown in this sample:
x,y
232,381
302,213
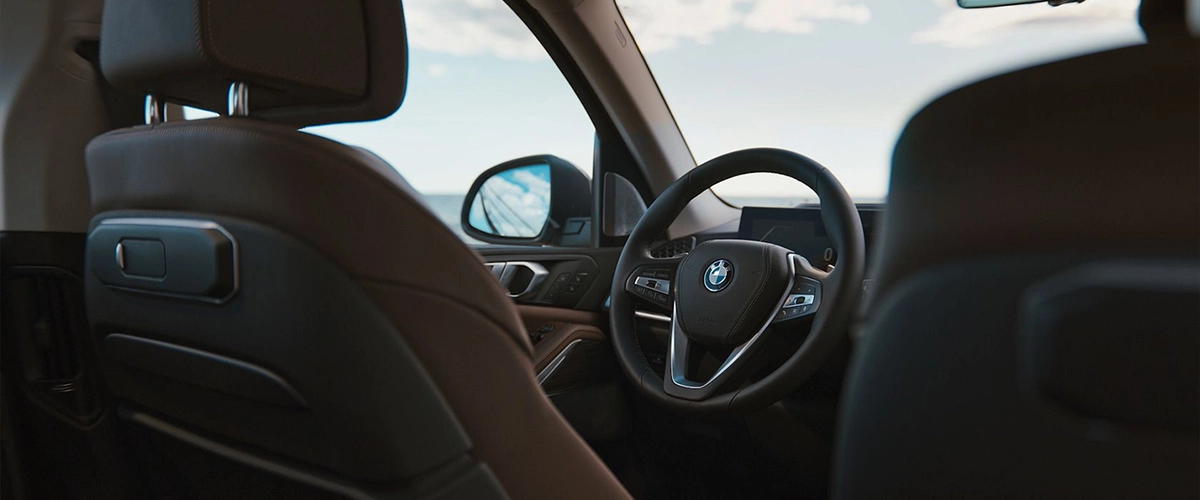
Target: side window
x,y
481,91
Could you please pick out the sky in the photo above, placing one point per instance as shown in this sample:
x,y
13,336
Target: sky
x,y
835,80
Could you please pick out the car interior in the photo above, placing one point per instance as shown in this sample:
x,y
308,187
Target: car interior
x,y
207,294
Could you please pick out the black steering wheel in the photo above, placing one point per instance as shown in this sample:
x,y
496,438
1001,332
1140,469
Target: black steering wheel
x,y
727,295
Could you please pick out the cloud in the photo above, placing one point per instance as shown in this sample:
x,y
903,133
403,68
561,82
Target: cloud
x,y
470,27
517,202
660,25
488,27
438,70
974,27
798,16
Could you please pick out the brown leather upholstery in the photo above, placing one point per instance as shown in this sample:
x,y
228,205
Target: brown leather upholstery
x,y
357,212
236,158
391,299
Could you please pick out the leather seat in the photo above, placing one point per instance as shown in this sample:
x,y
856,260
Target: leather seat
x,y
1034,327
278,314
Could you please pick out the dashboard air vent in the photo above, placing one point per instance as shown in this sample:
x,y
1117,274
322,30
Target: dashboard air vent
x,y
673,248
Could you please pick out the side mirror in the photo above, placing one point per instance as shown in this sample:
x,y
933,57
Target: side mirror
x,y
535,200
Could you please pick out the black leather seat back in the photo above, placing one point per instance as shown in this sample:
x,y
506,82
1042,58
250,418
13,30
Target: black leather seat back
x,y
1035,326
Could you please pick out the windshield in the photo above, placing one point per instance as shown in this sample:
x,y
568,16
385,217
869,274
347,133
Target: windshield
x,y
836,80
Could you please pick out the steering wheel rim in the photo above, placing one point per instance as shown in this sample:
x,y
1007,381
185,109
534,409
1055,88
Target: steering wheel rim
x,y
841,287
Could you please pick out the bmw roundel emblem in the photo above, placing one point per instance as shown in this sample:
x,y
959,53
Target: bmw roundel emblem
x,y
718,275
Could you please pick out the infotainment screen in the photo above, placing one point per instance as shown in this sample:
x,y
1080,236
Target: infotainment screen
x,y
798,229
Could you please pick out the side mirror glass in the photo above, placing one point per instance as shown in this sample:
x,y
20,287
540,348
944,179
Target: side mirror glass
x,y
514,203
534,200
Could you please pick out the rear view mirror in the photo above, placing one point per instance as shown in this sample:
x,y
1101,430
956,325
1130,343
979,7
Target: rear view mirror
x,y
978,4
534,200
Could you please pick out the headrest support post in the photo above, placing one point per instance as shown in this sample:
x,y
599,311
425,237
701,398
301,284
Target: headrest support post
x,y
156,110
313,63
239,99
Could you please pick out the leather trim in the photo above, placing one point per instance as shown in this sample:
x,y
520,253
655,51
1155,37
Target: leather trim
x,y
558,340
569,325
534,316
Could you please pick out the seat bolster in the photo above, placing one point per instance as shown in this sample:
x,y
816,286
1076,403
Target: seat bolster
x,y
515,428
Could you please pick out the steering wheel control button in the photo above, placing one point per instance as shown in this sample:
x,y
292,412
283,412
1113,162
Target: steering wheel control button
x,y
806,285
802,301
652,284
655,284
798,299
718,275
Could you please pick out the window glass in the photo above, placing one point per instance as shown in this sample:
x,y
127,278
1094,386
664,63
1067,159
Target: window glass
x,y
481,91
836,80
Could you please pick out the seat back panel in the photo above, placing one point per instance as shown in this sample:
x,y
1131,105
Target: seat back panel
x,y
297,362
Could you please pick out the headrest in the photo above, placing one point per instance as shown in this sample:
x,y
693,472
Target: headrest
x,y
305,62
1159,18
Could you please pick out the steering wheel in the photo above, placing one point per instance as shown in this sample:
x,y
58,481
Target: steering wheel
x,y
727,296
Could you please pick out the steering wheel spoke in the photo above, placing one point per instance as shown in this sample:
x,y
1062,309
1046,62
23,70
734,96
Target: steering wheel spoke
x,y
804,297
801,299
678,382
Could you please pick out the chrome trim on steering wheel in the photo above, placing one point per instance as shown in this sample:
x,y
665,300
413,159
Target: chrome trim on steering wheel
x,y
677,351
652,316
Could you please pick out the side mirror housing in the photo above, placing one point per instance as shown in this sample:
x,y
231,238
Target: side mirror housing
x,y
535,200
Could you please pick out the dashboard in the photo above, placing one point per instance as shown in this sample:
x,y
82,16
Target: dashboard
x,y
800,230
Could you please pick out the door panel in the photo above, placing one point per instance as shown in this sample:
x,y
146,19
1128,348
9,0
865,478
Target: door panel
x,y
588,273
567,341
564,314
553,328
